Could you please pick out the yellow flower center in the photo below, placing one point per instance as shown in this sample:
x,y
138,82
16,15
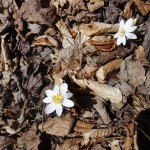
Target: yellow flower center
x,y
57,98
121,32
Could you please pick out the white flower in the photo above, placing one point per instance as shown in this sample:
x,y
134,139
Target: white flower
x,y
125,30
56,98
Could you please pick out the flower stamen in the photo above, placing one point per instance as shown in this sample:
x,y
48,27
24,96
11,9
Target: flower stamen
x,y
57,99
121,32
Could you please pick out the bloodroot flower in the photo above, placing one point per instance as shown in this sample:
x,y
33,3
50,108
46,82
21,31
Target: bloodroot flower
x,y
125,30
56,98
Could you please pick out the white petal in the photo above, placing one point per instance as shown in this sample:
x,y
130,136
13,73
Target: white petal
x,y
56,88
68,103
129,23
131,36
63,88
50,108
130,29
50,93
47,100
116,35
122,23
59,109
121,40
68,95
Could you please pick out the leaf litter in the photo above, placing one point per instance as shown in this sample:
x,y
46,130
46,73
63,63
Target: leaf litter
x,y
44,43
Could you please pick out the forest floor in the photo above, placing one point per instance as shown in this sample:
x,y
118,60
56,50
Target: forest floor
x,y
98,50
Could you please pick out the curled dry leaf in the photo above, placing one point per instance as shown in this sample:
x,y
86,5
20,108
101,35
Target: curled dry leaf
x,y
96,133
143,10
114,145
95,4
97,28
83,126
101,109
127,13
45,40
104,44
132,72
34,28
69,144
58,126
103,71
105,91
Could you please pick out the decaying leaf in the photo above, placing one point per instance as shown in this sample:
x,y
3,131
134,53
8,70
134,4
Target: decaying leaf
x,y
59,126
33,12
127,13
114,145
103,71
101,109
140,53
45,40
71,143
93,5
29,140
132,72
58,3
6,141
141,7
96,133
97,28
83,126
139,103
61,25
34,28
102,43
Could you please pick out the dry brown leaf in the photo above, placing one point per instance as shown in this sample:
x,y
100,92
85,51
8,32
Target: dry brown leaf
x,y
132,72
6,141
64,30
6,78
88,71
140,53
32,11
70,144
45,40
127,13
97,28
114,145
34,28
95,4
29,140
58,126
83,126
140,6
103,71
105,91
139,103
58,3
103,44
96,133
101,109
